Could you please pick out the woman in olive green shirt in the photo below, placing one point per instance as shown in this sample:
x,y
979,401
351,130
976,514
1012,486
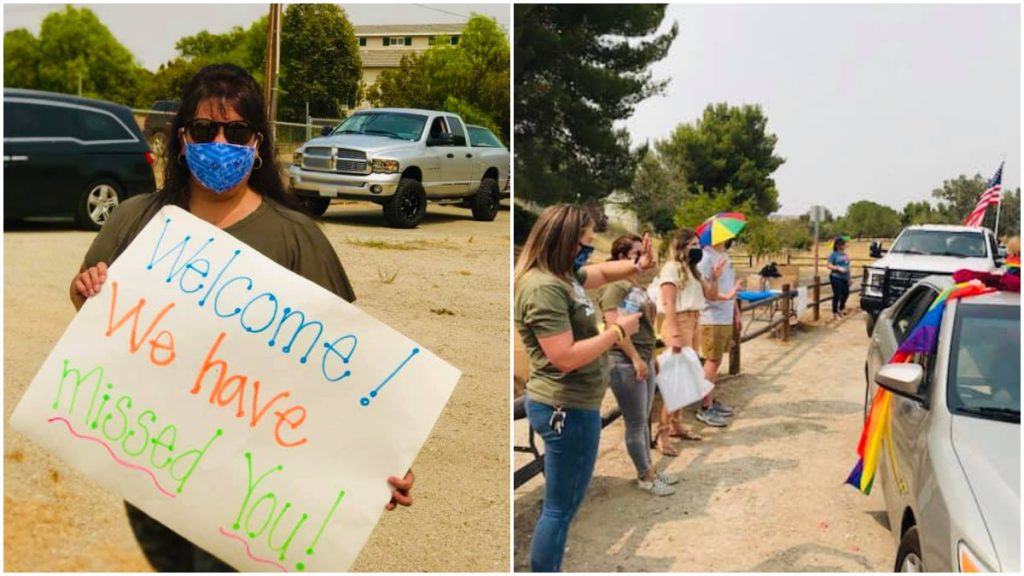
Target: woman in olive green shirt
x,y
220,166
568,378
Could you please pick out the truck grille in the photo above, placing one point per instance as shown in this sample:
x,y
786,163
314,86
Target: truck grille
x,y
335,160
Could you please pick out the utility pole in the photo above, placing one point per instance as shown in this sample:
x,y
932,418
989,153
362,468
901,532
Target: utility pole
x,y
271,66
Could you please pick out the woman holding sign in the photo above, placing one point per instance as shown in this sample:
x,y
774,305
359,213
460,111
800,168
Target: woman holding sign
x,y
220,167
558,326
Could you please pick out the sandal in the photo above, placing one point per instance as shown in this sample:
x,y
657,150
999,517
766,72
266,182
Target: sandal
x,y
663,446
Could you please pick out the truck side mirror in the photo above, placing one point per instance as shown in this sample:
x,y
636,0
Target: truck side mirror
x,y
442,139
326,130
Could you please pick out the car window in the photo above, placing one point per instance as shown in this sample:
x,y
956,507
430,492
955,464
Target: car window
x,y
984,364
483,138
456,127
29,120
390,124
94,126
912,309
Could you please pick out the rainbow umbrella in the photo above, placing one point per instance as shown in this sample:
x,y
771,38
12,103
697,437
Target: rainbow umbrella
x,y
720,227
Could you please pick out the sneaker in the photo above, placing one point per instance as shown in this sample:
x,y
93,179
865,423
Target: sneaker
x,y
655,487
711,418
722,409
670,479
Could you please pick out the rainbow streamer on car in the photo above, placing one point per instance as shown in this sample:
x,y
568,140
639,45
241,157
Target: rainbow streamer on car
x,y
923,339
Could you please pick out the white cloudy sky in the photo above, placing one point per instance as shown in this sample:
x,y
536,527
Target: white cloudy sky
x,y
150,30
868,102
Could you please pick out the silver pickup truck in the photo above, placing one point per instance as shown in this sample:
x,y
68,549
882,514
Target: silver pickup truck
x,y
400,158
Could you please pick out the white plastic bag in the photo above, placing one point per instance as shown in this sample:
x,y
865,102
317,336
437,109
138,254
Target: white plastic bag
x,y
681,379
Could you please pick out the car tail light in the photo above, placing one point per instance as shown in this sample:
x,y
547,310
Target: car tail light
x,y
968,561
149,157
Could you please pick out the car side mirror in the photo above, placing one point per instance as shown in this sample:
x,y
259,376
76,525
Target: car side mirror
x,y
442,139
326,130
903,379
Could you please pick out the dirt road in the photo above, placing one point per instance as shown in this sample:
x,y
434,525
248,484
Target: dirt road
x,y
444,285
765,494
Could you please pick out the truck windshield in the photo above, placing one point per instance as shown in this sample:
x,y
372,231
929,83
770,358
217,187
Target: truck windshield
x,y
397,125
984,365
941,243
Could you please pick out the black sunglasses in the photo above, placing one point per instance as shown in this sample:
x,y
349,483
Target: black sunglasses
x,y
205,131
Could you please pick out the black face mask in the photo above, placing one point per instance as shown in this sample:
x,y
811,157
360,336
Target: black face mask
x,y
695,255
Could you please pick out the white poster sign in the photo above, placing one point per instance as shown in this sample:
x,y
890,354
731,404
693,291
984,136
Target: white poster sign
x,y
247,408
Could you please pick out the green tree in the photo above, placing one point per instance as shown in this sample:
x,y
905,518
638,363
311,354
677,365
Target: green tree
x,y
470,79
169,81
243,47
655,194
73,46
1009,216
319,62
580,68
728,147
867,218
698,207
21,59
960,195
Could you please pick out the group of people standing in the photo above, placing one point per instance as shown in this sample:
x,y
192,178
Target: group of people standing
x,y
573,361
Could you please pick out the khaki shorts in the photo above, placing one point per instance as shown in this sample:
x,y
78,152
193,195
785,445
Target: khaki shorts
x,y
715,340
689,335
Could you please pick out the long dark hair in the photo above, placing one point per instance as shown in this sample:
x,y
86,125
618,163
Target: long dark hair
x,y
231,87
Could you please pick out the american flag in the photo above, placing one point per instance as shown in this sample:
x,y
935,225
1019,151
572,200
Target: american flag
x,y
989,197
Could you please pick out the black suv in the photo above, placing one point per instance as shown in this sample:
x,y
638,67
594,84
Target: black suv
x,y
71,156
157,125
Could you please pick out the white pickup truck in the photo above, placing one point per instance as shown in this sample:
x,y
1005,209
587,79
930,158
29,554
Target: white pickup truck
x,y
921,251
400,158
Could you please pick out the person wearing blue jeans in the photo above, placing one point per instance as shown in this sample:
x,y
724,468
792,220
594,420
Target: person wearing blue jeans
x,y
557,323
569,460
839,277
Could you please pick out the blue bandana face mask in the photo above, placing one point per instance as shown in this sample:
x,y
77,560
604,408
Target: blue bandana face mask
x,y
582,256
220,166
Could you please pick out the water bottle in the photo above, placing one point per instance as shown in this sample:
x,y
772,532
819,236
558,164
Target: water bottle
x,y
633,303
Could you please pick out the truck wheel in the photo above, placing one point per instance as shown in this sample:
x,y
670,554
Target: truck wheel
x,y
908,555
407,206
98,201
871,320
485,202
316,206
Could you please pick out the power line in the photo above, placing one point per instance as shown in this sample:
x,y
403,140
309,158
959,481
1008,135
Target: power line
x,y
435,9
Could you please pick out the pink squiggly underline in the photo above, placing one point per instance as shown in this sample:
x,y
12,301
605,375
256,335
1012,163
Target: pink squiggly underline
x,y
112,455
249,552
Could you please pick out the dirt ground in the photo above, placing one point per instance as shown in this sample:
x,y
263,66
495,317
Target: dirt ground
x,y
444,284
765,494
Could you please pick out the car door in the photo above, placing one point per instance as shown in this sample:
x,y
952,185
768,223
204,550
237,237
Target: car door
x,y
443,182
462,165
41,158
908,417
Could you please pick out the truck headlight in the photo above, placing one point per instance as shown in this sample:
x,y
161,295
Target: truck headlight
x,y
297,158
385,166
967,561
873,282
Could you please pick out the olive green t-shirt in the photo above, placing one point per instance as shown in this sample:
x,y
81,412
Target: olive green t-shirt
x,y
609,297
546,306
285,236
